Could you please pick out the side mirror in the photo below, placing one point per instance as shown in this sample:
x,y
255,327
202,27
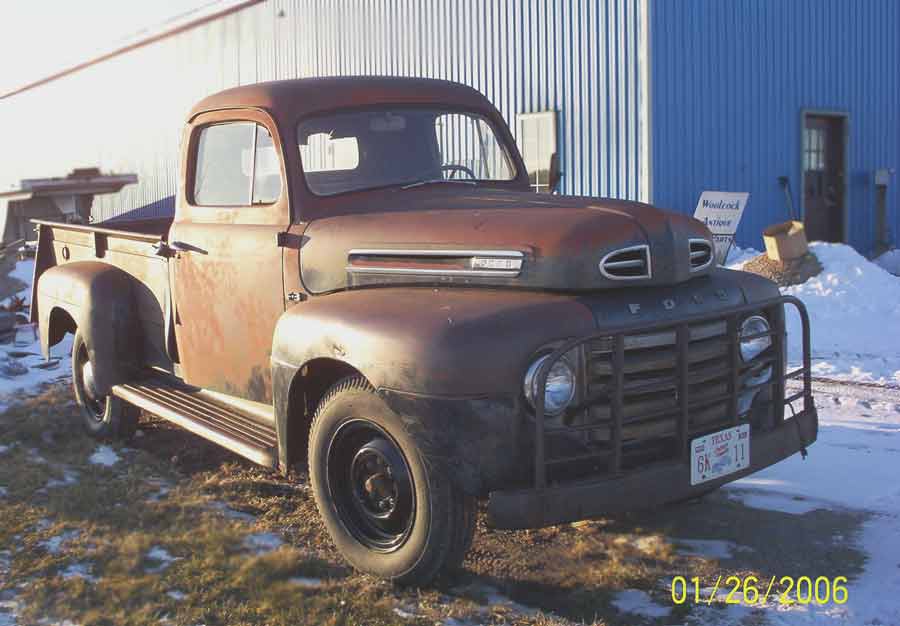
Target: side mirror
x,y
554,175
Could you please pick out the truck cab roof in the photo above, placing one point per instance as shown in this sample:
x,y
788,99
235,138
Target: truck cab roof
x,y
288,100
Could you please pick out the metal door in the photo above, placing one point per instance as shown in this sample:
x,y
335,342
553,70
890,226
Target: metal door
x,y
824,177
227,264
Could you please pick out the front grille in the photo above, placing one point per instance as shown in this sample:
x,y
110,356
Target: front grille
x,y
701,254
627,264
647,390
650,383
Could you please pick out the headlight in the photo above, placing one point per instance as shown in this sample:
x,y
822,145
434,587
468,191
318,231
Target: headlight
x,y
752,348
560,389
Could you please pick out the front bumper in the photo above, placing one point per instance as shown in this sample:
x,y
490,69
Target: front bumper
x,y
655,485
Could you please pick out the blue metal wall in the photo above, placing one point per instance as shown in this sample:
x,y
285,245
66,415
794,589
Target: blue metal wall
x,y
581,57
729,82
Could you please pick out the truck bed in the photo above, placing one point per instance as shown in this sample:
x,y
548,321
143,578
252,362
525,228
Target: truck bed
x,y
131,246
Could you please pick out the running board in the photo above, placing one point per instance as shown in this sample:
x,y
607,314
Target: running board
x,y
203,416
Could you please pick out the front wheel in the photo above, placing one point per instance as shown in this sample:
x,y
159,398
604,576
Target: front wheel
x,y
389,512
103,417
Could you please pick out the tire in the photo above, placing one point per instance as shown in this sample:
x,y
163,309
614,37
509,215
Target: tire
x,y
390,512
103,417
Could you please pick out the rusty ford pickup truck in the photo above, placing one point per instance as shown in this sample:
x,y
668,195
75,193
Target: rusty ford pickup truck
x,y
358,278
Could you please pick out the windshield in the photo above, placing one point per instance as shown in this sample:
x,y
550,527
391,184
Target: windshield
x,y
364,149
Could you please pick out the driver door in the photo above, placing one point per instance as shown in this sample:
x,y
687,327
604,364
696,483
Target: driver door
x,y
227,265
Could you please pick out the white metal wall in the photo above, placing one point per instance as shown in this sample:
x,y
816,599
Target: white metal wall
x,y
584,58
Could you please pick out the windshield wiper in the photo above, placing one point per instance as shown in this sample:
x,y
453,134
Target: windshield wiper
x,y
429,181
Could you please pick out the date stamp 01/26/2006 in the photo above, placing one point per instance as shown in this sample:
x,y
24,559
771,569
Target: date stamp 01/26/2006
x,y
754,591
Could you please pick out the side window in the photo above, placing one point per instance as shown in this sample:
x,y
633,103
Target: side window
x,y
236,165
266,170
537,137
469,148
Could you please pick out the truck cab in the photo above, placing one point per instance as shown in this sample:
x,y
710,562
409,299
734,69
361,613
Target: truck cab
x,y
358,279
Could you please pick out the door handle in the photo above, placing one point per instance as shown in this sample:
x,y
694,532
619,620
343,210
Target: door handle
x,y
170,249
180,246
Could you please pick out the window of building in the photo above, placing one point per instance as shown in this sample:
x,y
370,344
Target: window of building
x,y
813,149
237,165
537,139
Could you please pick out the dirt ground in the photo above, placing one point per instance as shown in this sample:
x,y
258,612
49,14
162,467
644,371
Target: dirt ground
x,y
170,529
785,273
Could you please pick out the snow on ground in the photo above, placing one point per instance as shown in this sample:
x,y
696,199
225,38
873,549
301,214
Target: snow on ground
x,y
738,256
709,548
262,542
890,261
853,465
854,310
305,581
162,559
639,602
21,361
104,455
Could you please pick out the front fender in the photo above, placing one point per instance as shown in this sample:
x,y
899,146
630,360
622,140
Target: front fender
x,y
98,298
449,362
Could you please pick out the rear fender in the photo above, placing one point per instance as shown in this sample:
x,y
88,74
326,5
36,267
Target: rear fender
x,y
98,298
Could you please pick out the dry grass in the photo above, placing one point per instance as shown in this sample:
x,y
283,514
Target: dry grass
x,y
62,515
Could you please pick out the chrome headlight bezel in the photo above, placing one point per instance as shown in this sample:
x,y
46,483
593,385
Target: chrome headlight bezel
x,y
561,369
752,348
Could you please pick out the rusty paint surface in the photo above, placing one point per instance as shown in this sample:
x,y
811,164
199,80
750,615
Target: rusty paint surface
x,y
563,238
229,295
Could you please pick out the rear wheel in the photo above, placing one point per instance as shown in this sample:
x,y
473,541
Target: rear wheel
x,y
103,416
390,513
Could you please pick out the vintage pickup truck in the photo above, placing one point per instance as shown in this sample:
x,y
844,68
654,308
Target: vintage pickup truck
x,y
358,277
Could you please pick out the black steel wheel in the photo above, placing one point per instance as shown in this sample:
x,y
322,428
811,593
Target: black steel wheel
x,y
389,512
370,484
104,416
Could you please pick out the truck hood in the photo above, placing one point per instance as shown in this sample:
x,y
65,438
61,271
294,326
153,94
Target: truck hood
x,y
451,235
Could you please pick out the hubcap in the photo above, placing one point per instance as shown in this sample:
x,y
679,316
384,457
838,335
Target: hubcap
x,y
84,375
371,486
87,375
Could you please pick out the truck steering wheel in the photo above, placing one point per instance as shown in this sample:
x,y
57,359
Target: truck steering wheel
x,y
453,168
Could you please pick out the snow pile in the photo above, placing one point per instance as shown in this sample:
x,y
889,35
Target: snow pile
x,y
738,256
854,309
22,367
890,261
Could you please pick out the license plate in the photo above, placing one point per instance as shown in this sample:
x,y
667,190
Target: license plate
x,y
719,454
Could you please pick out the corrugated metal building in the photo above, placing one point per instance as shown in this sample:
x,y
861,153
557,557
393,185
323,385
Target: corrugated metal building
x,y
655,100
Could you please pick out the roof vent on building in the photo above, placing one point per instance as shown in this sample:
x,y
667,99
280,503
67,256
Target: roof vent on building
x,y
701,254
627,264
